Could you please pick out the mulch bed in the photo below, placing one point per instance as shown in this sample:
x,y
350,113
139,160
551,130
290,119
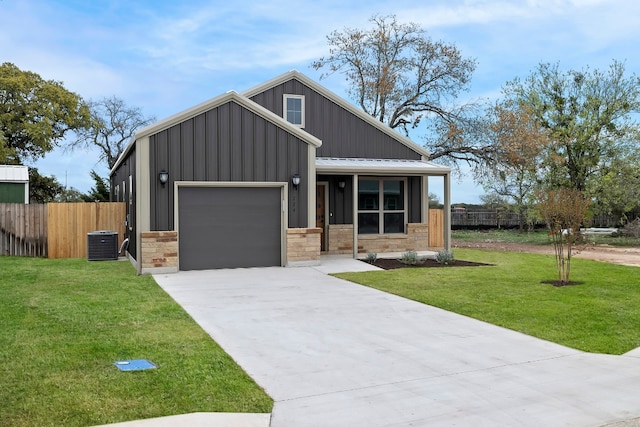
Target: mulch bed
x,y
559,283
391,264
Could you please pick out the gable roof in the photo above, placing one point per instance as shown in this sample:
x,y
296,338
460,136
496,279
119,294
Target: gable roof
x,y
293,74
203,107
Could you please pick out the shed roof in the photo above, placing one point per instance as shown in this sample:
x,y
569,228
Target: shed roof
x,y
14,173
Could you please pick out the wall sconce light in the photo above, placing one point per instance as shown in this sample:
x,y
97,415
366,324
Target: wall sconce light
x,y
163,177
341,184
295,180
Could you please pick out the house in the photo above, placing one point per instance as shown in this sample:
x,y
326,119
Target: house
x,y
14,184
273,176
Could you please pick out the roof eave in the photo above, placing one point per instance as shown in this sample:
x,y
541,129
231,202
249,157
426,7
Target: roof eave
x,y
350,170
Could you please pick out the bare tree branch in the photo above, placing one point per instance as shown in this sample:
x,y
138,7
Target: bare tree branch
x,y
113,124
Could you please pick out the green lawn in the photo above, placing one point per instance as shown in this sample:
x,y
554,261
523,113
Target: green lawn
x,y
536,237
65,322
601,315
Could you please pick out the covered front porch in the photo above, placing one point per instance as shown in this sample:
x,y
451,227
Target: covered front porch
x,y
380,205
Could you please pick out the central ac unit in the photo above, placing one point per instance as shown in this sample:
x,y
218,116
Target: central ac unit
x,y
102,245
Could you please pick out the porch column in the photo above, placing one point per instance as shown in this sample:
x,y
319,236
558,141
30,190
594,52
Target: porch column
x,y
424,209
447,211
355,215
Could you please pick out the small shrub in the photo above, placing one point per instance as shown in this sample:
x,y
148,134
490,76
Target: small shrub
x,y
371,257
410,258
632,229
444,257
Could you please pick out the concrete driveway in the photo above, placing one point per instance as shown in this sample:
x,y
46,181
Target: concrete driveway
x,y
333,353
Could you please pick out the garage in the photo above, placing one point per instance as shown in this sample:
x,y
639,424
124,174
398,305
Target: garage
x,y
229,226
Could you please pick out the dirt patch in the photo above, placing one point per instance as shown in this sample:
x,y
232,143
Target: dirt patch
x,y
560,283
613,254
392,264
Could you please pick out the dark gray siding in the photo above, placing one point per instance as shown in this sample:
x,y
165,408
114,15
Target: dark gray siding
x,y
415,207
342,133
226,143
340,200
127,195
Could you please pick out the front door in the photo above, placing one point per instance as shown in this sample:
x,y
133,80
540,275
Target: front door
x,y
321,193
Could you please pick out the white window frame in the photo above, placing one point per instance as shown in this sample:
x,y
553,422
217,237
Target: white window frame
x,y
286,97
381,210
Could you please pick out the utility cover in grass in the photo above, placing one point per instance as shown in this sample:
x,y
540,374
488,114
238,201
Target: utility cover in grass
x,y
134,365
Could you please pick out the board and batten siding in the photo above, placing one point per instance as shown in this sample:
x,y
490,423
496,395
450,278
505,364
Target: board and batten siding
x,y
126,194
343,134
226,143
341,200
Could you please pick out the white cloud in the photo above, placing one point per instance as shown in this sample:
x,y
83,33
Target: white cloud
x,y
168,56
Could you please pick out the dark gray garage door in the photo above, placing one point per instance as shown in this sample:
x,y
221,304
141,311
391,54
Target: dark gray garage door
x,y
229,227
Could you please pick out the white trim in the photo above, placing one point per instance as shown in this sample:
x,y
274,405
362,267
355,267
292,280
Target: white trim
x,y
381,209
142,195
293,74
325,232
284,213
285,98
356,188
447,211
392,167
311,190
424,197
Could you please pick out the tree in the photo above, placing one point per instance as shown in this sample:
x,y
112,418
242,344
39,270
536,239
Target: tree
x,y
493,201
587,114
70,195
100,192
35,114
434,201
43,189
400,76
520,141
113,123
616,191
563,211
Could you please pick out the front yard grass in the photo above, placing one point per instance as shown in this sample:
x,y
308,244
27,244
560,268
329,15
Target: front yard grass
x,y
65,322
535,237
602,315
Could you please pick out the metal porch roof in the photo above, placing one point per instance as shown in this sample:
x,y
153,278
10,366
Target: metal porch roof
x,y
379,166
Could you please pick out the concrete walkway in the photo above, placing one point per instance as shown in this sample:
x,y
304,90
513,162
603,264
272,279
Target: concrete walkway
x,y
333,353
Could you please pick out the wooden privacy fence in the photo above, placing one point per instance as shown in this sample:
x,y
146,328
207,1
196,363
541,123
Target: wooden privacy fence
x,y
23,229
436,228
56,230
69,224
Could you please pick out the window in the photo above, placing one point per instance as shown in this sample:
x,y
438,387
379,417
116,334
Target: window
x,y
293,109
381,206
130,210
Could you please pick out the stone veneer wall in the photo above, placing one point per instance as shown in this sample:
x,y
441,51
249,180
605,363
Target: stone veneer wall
x,y
303,246
159,251
341,240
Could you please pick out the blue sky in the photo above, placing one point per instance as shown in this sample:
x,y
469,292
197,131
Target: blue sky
x,y
166,56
